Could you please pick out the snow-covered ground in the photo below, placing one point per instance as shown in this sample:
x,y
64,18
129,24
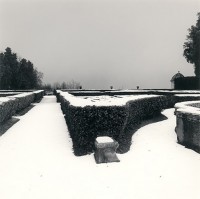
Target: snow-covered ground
x,y
36,162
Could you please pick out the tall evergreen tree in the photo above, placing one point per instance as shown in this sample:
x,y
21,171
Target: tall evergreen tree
x,y
192,46
15,74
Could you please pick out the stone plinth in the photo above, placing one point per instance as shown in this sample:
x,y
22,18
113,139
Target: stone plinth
x,y
105,150
188,130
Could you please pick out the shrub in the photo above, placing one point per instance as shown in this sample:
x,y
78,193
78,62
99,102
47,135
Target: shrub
x,y
12,104
23,100
87,123
8,108
38,95
118,122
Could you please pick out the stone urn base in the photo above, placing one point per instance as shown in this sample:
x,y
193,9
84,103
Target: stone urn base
x,y
105,150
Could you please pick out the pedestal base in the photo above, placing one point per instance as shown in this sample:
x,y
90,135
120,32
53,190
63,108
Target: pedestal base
x,y
106,152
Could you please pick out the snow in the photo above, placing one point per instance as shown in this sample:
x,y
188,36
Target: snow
x,y
21,95
8,93
104,139
167,91
187,108
38,91
105,100
36,162
4,99
188,95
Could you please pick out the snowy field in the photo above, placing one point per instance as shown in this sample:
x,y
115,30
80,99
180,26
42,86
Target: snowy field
x,y
36,162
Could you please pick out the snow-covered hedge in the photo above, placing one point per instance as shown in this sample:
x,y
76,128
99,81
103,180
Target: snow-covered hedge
x,y
188,124
12,104
7,108
85,123
23,100
6,94
38,95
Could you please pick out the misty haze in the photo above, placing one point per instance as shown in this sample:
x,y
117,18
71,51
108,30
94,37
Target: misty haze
x,y
101,43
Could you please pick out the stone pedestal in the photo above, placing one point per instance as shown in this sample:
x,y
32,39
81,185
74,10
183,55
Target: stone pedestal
x,y
188,130
105,150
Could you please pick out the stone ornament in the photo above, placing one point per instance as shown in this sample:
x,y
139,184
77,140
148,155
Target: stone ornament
x,y
105,150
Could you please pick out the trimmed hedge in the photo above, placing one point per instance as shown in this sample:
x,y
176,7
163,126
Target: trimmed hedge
x,y
7,108
138,111
38,95
12,104
23,100
87,123
118,122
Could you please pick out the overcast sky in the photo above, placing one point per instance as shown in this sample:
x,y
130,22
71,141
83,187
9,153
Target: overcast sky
x,y
100,43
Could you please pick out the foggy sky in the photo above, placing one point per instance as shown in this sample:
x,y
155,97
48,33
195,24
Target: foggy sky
x,y
101,43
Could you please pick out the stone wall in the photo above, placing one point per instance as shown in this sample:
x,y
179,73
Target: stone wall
x,y
188,124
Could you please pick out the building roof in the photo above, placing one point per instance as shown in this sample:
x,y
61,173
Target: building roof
x,y
177,75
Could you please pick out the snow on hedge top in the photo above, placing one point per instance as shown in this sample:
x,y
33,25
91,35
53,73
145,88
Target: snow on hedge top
x,y
165,91
21,95
38,91
4,99
105,100
187,95
192,107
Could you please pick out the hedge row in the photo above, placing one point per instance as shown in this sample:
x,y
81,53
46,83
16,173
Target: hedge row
x,y
8,108
129,92
87,123
13,104
118,122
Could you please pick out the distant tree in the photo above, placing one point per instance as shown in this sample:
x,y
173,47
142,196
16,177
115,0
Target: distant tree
x,y
18,73
47,87
67,85
73,85
56,85
192,46
10,69
38,76
23,81
1,72
64,85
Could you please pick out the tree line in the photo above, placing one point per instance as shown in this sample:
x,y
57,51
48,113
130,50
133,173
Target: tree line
x,y
18,73
64,85
192,46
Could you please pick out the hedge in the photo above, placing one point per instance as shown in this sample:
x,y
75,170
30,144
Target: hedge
x,y
38,95
138,111
118,122
87,123
12,104
7,108
23,100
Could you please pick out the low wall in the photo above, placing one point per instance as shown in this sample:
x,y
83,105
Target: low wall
x,y
188,124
